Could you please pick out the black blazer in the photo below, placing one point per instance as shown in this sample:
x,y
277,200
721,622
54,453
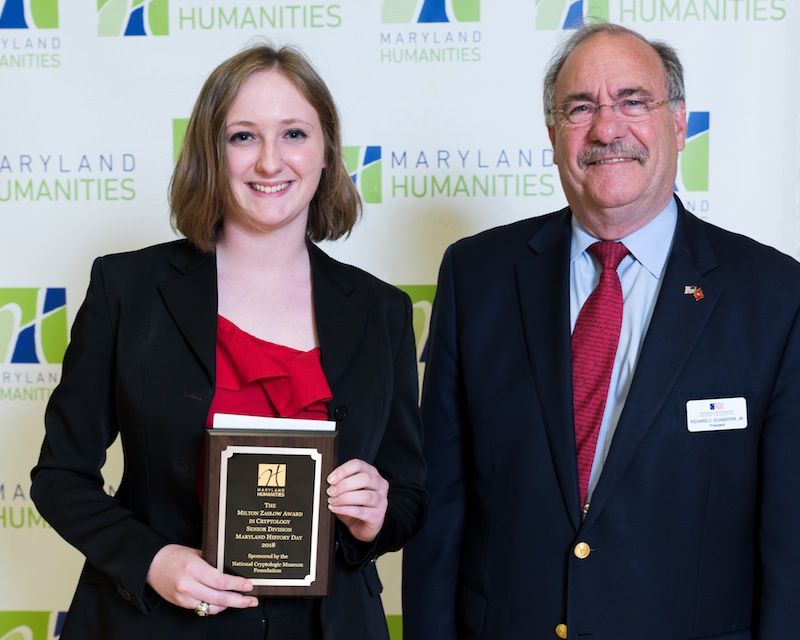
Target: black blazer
x,y
691,534
141,365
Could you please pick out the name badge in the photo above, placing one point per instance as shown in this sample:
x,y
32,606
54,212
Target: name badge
x,y
716,414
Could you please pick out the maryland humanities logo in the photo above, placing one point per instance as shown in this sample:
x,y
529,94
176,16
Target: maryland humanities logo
x,y
569,14
694,159
29,14
272,475
33,325
430,31
31,625
49,176
405,11
422,296
154,17
469,172
572,14
364,166
133,17
24,51
179,126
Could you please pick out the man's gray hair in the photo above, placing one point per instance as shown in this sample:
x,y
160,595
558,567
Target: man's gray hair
x,y
673,69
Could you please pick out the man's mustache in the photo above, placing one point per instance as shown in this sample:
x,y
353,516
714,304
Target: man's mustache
x,y
618,148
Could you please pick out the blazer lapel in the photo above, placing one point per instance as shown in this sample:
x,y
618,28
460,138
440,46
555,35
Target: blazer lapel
x,y
191,298
676,325
543,284
340,312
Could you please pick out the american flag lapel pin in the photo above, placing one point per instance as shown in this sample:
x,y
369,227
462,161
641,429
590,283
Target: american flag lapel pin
x,y
694,291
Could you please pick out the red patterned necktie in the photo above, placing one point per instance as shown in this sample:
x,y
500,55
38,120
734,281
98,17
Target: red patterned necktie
x,y
594,347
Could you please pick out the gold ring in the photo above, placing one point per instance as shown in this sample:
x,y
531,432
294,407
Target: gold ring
x,y
202,609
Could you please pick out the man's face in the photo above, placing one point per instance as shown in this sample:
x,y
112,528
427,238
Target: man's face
x,y
612,169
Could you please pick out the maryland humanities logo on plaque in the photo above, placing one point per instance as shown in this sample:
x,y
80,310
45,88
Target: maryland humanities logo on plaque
x,y
271,475
271,481
429,31
133,17
27,40
364,166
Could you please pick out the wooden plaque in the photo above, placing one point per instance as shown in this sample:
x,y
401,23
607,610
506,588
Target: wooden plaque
x,y
266,515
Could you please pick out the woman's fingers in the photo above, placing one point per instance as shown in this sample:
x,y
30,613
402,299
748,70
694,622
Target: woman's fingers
x,y
181,576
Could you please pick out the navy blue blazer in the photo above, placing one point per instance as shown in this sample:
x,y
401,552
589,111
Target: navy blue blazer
x,y
141,365
690,534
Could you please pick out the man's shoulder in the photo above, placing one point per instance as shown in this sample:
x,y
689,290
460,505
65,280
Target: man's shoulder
x,y
736,250
508,241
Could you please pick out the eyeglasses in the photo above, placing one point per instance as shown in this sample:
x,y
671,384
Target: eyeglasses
x,y
580,113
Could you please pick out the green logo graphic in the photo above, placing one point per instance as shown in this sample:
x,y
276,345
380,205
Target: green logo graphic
x,y
179,126
33,325
24,625
133,17
29,14
694,160
569,14
364,166
428,11
395,624
422,296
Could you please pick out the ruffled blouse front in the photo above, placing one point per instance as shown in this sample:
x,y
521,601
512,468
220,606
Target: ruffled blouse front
x,y
260,378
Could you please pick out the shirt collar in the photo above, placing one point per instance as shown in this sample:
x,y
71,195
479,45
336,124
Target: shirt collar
x,y
647,245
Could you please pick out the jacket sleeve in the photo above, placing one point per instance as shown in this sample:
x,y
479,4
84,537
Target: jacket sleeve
x,y
399,458
431,560
80,424
776,598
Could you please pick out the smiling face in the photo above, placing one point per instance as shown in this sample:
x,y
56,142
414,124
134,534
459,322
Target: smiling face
x,y
616,175
275,150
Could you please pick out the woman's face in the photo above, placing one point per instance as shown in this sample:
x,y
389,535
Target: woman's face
x,y
276,153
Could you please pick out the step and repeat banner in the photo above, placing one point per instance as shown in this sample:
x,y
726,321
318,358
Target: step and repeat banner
x,y
443,135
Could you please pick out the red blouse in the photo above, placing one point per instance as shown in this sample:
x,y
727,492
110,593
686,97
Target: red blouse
x,y
260,378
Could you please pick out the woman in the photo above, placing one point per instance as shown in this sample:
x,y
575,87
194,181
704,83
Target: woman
x,y
172,334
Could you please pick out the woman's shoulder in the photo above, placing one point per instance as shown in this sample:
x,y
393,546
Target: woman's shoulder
x,y
350,276
165,252
149,266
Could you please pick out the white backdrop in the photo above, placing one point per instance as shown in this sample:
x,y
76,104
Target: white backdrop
x,y
441,109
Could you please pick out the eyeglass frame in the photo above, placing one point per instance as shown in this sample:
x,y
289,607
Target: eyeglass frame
x,y
650,105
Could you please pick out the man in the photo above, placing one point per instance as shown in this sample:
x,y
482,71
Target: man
x,y
612,431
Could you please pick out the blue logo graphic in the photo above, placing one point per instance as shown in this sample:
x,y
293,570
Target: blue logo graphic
x,y
29,14
33,325
563,14
363,164
31,625
133,17
405,11
694,160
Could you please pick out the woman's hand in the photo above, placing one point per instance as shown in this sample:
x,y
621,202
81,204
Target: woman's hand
x,y
182,577
358,496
